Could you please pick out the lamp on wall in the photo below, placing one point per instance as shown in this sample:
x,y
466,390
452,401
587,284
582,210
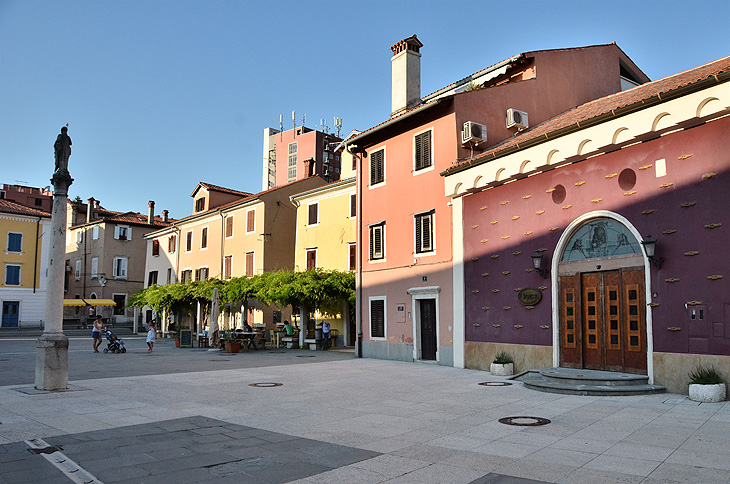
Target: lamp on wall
x,y
537,264
650,248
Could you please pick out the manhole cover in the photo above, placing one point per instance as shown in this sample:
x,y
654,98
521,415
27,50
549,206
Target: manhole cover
x,y
495,384
265,385
305,356
219,360
524,421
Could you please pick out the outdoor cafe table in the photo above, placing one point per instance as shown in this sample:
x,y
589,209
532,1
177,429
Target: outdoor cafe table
x,y
251,338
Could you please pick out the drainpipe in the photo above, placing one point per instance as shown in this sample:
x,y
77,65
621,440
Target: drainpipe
x,y
35,255
358,286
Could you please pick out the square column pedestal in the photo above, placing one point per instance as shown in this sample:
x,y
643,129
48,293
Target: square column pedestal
x,y
51,362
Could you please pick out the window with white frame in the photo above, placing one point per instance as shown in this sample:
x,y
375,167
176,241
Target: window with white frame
x,y
422,151
378,317
377,167
169,275
79,236
424,232
250,221
123,232
353,205
249,264
12,275
313,215
94,267
95,233
377,241
171,244
311,259
292,163
77,272
189,241
229,226
152,278
120,267
204,238
15,242
227,267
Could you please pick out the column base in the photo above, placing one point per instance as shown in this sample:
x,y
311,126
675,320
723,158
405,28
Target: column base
x,y
51,362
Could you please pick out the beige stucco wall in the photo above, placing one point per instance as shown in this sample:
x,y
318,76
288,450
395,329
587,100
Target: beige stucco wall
x,y
672,369
479,356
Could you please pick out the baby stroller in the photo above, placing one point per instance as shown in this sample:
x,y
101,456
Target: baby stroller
x,y
115,344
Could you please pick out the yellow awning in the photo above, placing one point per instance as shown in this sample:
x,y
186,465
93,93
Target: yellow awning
x,y
89,302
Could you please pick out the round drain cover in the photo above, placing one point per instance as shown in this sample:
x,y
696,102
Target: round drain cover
x,y
305,356
495,384
524,421
265,385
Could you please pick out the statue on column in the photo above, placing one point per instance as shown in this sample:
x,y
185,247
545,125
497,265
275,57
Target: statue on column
x,y
62,148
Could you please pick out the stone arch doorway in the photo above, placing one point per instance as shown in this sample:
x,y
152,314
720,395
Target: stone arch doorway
x,y
601,315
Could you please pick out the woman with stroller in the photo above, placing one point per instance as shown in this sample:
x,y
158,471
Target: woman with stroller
x,y
151,335
96,330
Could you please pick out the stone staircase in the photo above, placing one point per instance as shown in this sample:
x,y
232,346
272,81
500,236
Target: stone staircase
x,y
587,382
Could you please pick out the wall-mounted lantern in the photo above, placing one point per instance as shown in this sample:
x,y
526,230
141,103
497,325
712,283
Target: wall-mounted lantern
x,y
650,248
537,264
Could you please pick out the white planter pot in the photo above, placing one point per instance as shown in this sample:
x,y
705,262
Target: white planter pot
x,y
497,369
707,393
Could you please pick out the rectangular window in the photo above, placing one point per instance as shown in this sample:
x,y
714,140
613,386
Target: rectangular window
x,y
171,244
423,151
353,205
377,241
424,232
121,300
189,241
200,204
249,264
120,267
155,247
38,202
12,275
186,276
122,232
353,256
229,226
250,221
204,238
95,233
94,267
313,215
169,275
377,317
292,163
377,167
227,267
152,279
77,272
15,242
79,236
311,259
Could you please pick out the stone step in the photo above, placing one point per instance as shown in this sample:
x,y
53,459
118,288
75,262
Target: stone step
x,y
587,382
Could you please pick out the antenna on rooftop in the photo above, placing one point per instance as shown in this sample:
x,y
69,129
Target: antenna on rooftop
x,y
304,119
294,118
338,125
324,125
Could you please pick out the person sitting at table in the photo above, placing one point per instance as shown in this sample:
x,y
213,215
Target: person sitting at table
x,y
288,328
247,328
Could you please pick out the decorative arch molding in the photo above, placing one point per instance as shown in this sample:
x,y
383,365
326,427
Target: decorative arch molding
x,y
665,123
582,147
499,173
554,277
476,181
620,135
523,166
456,190
714,108
550,156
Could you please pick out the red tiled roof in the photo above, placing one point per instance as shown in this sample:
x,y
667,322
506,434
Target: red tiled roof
x,y
8,206
216,188
638,96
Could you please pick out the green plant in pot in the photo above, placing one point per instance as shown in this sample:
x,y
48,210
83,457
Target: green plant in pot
x,y
502,365
231,341
705,385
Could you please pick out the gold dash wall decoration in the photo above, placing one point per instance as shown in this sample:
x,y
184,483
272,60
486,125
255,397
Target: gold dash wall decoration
x,y
715,277
483,208
527,196
515,217
692,252
517,252
475,291
669,232
507,308
550,190
495,256
529,307
553,229
674,328
694,303
504,202
518,326
496,325
505,237
648,212
565,207
684,157
529,270
544,326
645,167
542,288
517,289
709,175
495,291
666,185
494,222
653,305
541,249
485,308
596,200
485,274
540,212
474,259
688,204
474,226
629,193
612,175
529,232
672,280
484,241
580,183
712,226
505,272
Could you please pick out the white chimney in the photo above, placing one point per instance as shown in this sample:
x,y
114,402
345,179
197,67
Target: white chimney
x,y
406,74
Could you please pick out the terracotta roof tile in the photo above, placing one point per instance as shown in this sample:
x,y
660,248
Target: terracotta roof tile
x,y
216,188
8,206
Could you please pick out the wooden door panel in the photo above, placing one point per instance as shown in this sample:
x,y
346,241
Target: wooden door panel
x,y
428,329
634,321
570,344
592,322
612,321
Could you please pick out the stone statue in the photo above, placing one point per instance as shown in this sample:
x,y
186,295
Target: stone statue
x,y
62,148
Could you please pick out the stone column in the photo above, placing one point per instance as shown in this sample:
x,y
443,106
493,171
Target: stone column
x,y
51,361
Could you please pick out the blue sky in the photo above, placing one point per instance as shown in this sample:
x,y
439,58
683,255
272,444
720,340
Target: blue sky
x,y
162,94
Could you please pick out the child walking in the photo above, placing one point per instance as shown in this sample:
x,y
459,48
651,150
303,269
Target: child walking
x,y
151,335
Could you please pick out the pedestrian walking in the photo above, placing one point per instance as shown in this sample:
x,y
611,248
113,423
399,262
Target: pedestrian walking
x,y
96,330
325,335
151,336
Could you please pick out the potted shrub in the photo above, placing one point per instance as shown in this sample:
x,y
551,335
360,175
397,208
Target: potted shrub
x,y
503,365
231,342
174,334
706,386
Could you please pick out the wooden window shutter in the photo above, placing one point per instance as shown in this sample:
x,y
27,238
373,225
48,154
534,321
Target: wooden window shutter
x,y
313,214
353,205
229,226
353,257
155,247
376,241
377,318
311,259
376,167
227,267
204,238
249,264
423,150
250,220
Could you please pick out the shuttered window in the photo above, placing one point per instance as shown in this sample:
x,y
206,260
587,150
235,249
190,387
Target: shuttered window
x,y
15,242
155,247
353,257
189,241
377,167
353,206
229,226
171,243
250,221
204,238
313,214
377,318
311,259
423,151
377,241
249,264
227,267
424,232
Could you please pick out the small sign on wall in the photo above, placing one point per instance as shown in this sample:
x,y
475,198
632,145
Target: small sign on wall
x,y
400,313
529,296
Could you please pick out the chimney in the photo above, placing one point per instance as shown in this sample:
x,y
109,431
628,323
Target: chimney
x,y
406,74
90,210
151,212
96,204
164,215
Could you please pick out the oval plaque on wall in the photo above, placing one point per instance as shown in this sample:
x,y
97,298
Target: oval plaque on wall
x,y
529,296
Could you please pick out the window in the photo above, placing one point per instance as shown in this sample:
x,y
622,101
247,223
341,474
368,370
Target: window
x,y
95,233
186,276
189,241
12,275
291,174
353,256
229,226
152,279
94,267
155,247
250,221
311,259
377,241
377,167
77,272
353,205
201,274
249,264
79,236
120,268
204,238
423,150
313,215
123,232
424,232
38,202
171,243
200,204
227,267
377,317
169,275
121,300
15,242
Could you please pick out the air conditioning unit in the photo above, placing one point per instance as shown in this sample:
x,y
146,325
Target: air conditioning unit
x,y
473,133
517,119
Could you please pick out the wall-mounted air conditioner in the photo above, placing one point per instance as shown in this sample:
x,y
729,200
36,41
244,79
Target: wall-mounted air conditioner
x,y
473,133
517,119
